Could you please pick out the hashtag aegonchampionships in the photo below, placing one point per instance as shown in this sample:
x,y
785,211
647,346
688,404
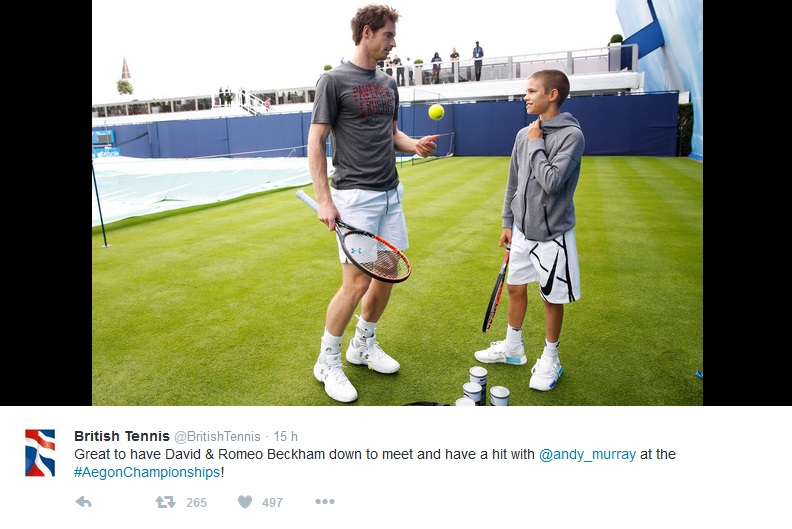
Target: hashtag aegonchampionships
x,y
157,473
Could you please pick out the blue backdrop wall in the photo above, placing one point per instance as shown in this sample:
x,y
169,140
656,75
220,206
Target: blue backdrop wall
x,y
670,37
628,125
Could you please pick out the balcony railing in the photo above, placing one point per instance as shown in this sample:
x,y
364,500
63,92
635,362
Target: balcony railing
x,y
577,62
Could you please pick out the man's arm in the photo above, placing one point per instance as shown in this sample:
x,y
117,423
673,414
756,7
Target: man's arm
x,y
317,165
403,143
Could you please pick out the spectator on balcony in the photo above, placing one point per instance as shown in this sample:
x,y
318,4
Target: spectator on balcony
x,y
409,64
436,60
454,64
478,53
399,70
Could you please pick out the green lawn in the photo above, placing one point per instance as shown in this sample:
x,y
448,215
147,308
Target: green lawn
x,y
224,305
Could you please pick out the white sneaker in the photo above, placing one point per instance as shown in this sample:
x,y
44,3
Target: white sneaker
x,y
367,351
545,374
498,353
328,370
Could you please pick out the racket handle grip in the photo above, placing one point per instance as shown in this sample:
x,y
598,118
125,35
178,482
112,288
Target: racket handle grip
x,y
308,200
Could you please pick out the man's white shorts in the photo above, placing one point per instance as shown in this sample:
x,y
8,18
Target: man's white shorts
x,y
378,212
553,264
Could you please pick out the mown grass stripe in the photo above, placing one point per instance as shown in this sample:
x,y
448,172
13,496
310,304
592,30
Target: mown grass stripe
x,y
224,304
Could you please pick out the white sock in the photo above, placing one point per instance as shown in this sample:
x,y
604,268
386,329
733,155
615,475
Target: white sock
x,y
365,328
330,342
550,350
514,337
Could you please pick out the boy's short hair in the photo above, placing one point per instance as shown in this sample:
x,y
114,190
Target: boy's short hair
x,y
554,79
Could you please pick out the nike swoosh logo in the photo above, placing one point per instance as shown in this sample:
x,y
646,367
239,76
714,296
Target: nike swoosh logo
x,y
548,288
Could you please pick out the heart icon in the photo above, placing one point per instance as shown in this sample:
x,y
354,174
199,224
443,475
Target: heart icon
x,y
245,501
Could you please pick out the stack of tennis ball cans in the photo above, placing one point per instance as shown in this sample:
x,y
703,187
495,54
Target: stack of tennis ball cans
x,y
474,392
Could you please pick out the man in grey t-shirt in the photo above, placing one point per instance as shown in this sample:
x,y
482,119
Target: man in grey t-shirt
x,y
357,106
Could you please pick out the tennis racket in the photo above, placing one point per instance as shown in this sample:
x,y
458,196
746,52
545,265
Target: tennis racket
x,y
496,293
372,254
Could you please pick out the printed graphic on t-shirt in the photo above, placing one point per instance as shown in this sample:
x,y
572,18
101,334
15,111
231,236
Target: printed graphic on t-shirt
x,y
374,99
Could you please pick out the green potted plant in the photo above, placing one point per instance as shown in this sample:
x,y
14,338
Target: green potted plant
x,y
616,39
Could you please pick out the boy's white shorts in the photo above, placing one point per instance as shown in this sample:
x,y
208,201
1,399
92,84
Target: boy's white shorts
x,y
553,264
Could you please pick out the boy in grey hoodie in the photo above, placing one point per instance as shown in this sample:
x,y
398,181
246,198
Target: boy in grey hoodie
x,y
538,224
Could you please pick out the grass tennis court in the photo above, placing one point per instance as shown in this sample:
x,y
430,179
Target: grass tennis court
x,y
224,305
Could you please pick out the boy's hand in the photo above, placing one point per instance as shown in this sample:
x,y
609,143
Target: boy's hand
x,y
506,237
534,130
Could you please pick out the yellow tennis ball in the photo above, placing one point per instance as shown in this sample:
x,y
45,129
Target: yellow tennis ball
x,y
436,112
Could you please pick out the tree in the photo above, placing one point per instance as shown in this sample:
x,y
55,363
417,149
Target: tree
x,y
125,87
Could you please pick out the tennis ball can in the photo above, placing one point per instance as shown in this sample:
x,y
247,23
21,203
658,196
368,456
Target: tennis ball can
x,y
479,375
472,391
499,396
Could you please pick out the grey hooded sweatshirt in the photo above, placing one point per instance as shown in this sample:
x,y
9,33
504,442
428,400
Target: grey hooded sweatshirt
x,y
543,175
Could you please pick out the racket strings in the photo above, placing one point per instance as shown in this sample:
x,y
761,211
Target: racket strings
x,y
376,257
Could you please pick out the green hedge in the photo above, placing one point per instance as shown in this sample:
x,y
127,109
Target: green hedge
x,y
685,129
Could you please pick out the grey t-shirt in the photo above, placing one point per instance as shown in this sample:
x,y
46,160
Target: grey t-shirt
x,y
361,106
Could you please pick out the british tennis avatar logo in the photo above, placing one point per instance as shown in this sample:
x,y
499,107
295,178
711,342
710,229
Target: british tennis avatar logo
x,y
39,452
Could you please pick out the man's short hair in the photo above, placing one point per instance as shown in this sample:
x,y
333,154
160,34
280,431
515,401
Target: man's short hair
x,y
373,16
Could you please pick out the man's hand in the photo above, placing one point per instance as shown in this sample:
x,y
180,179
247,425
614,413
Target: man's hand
x,y
426,146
